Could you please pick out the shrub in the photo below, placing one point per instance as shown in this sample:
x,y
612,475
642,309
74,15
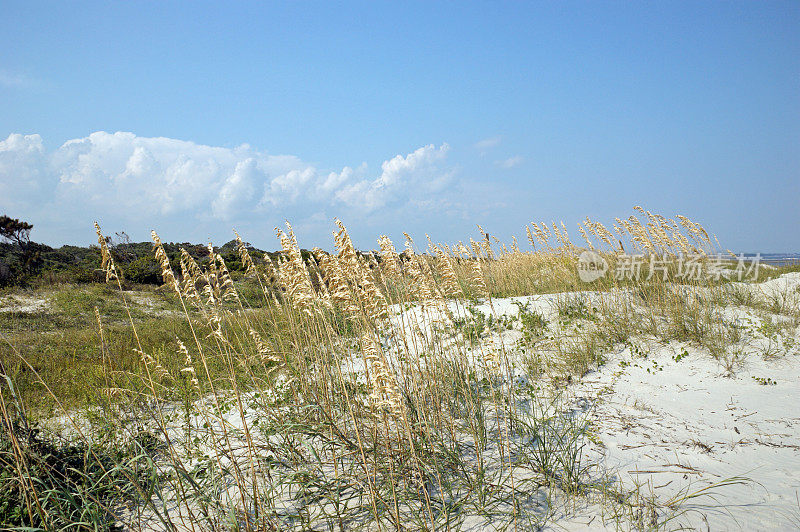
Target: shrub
x,y
144,270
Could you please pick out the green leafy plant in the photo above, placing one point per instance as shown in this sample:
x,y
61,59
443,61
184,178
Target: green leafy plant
x,y
680,356
764,381
533,323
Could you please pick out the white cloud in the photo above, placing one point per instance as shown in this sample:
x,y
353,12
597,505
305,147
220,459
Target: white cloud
x,y
22,143
123,176
419,172
511,162
396,168
162,175
238,190
23,171
289,186
486,144
336,180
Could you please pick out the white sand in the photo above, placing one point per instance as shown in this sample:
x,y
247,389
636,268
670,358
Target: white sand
x,y
671,421
676,428
686,425
23,303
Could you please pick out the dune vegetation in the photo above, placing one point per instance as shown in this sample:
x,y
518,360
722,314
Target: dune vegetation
x,y
422,388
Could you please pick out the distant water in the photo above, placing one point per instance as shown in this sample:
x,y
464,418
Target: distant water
x,y
778,259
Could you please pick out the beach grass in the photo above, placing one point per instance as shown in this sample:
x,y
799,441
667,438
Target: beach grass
x,y
350,390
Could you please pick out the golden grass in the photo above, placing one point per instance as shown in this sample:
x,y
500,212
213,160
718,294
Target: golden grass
x,y
354,396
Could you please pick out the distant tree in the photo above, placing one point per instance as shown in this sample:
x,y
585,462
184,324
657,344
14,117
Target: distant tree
x,y
121,248
15,231
19,233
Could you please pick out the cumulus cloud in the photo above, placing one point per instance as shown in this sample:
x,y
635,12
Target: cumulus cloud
x,y
511,162
288,187
336,180
418,172
238,190
162,175
24,176
163,178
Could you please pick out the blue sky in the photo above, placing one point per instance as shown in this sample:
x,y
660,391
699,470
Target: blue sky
x,y
192,118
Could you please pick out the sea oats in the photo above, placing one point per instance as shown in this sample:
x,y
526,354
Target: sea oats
x,y
487,248
97,319
163,261
450,284
107,261
545,235
263,350
358,273
272,279
703,232
338,286
475,276
188,365
476,249
530,237
191,275
294,272
639,236
272,269
372,300
585,237
421,287
347,252
215,321
244,255
682,242
323,293
390,257
603,233
486,244
155,367
210,292
491,356
385,393
226,286
565,235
